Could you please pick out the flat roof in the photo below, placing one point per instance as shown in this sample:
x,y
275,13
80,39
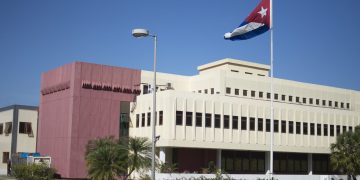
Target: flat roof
x,y
235,62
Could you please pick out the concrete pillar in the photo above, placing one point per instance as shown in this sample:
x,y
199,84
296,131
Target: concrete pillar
x,y
267,162
310,164
218,158
162,155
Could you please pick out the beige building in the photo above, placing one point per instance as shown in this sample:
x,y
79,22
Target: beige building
x,y
18,128
223,115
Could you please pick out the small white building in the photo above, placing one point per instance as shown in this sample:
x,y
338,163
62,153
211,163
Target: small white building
x,y
18,129
223,115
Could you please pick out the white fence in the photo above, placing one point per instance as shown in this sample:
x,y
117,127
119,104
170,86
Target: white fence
x,y
177,176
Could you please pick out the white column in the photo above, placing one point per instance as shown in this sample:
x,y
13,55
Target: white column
x,y
310,163
218,158
162,155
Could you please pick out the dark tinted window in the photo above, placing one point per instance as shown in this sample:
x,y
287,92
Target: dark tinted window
x,y
325,130
291,127
198,119
243,123
276,125
228,90
312,129
217,120
236,91
189,118
298,128
252,93
226,121
235,122
260,124
252,124
318,129
207,120
179,117
283,126
332,130
305,128
268,125
244,92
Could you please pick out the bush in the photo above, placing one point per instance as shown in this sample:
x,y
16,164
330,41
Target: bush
x,y
33,172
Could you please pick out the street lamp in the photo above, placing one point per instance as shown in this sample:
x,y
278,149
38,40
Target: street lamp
x,y
144,33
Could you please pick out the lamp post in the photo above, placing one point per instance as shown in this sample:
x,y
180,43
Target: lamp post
x,y
145,33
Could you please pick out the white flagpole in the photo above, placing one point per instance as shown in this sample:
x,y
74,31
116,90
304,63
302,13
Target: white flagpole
x,y
272,94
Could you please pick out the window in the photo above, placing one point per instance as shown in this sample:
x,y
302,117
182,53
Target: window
x,y
325,130
226,122
161,118
8,128
331,130
212,91
243,123
189,118
235,122
205,91
145,89
25,128
217,120
298,99
268,95
305,128
179,117
312,129
324,102
142,119
199,91
336,104
228,90
5,157
338,130
276,125
260,124
137,120
342,105
290,98
244,92
276,96
291,127
350,128
311,101
236,91
304,100
268,125
252,124
252,93
330,103
148,119
1,128
283,126
198,119
207,120
318,129
348,105
344,129
317,101
283,97
298,127
261,94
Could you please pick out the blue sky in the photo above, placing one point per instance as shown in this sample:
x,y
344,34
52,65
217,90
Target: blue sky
x,y
314,41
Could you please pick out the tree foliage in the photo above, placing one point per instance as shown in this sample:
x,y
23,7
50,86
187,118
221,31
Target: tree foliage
x,y
107,158
345,153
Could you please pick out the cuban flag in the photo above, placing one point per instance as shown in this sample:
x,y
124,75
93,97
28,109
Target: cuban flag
x,y
258,22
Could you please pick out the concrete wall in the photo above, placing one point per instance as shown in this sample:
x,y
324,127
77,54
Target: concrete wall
x,y
71,117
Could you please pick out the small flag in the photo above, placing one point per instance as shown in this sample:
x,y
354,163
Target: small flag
x,y
258,22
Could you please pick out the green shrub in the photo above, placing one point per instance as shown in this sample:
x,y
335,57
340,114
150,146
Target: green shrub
x,y
33,172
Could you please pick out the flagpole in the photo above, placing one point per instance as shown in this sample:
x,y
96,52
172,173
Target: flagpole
x,y
272,94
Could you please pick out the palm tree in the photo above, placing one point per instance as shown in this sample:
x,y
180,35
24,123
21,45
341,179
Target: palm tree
x,y
138,151
104,159
345,153
107,158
